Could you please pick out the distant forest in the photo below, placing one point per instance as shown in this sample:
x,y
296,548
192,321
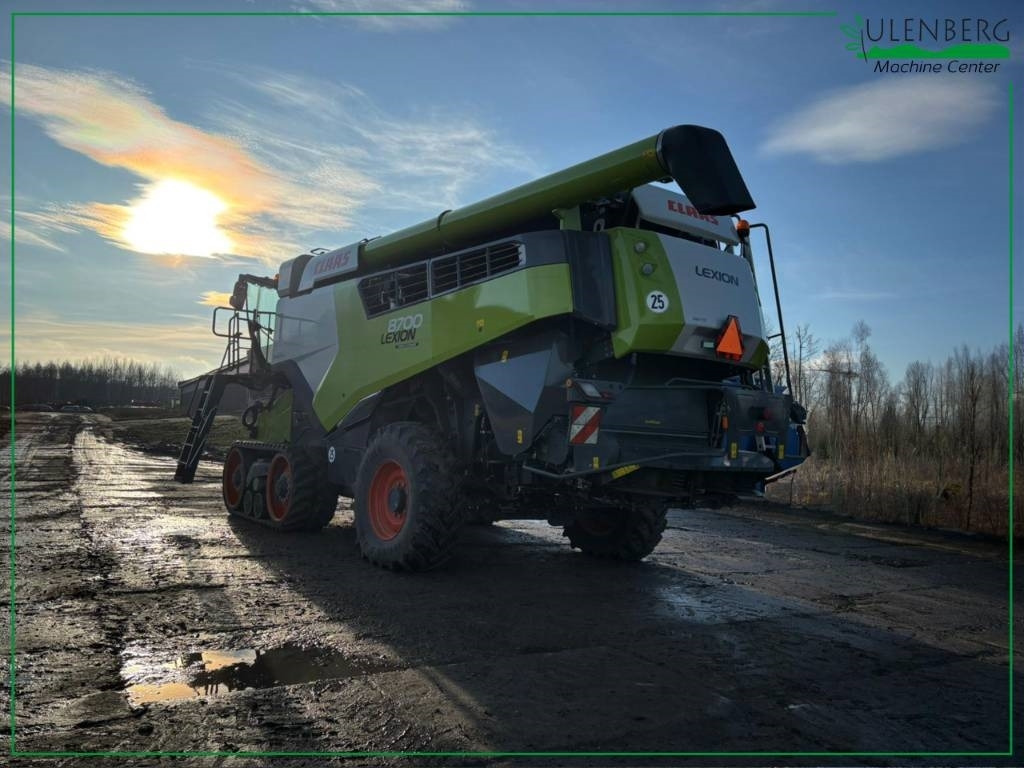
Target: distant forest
x,y
105,382
932,449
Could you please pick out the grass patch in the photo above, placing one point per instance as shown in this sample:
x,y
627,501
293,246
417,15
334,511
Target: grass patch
x,y
912,491
165,435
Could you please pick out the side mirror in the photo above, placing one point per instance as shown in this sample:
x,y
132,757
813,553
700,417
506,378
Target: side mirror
x,y
238,296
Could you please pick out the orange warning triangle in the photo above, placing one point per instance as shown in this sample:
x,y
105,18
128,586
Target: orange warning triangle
x,y
730,342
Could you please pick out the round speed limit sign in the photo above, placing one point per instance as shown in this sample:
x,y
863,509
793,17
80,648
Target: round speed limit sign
x,y
657,302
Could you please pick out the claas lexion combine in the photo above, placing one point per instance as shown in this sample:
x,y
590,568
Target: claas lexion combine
x,y
587,349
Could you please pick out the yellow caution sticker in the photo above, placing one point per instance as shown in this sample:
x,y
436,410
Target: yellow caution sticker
x,y
734,450
782,451
623,471
595,462
519,436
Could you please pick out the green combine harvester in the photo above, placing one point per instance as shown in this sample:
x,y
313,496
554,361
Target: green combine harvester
x,y
586,349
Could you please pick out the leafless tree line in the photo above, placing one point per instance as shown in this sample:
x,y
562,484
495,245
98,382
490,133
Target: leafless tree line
x,y
931,449
108,381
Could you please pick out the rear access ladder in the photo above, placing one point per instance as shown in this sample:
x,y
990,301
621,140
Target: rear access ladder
x,y
202,419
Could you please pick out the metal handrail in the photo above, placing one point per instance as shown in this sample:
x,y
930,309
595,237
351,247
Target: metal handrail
x,y
778,302
236,352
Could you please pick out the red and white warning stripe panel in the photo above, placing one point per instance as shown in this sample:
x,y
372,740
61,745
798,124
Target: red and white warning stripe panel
x,y
586,419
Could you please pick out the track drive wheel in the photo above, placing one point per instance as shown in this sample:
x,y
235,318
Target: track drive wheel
x,y
298,496
405,507
236,467
629,533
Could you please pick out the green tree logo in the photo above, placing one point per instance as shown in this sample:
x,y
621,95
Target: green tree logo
x,y
857,35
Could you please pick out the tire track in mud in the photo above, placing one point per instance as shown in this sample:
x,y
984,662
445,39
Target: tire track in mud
x,y
66,648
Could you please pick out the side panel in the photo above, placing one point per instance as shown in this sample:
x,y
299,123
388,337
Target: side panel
x,y
275,422
373,354
712,286
675,296
307,334
522,382
640,328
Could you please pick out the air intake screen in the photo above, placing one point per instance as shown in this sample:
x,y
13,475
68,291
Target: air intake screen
x,y
387,291
391,290
457,270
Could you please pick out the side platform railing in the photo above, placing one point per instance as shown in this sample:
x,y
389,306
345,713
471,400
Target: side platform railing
x,y
245,350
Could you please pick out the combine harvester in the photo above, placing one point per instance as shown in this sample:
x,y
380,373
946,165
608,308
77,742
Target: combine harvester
x,y
586,349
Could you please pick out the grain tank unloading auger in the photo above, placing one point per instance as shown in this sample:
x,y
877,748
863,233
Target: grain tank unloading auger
x,y
586,348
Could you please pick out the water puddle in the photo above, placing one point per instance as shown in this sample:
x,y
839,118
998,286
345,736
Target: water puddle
x,y
721,605
216,672
147,694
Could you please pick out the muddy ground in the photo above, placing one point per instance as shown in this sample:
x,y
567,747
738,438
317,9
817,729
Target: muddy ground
x,y
146,620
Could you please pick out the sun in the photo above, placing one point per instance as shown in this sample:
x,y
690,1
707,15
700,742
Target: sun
x,y
176,217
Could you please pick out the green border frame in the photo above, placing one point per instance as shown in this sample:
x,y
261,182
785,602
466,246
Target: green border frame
x,y
561,13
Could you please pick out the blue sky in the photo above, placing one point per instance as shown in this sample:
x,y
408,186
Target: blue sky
x,y
886,193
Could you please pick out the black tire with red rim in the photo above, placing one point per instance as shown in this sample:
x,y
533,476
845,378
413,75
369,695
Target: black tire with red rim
x,y
236,467
405,507
627,533
298,495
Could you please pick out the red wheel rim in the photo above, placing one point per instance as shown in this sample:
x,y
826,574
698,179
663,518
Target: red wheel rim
x,y
389,500
234,478
279,488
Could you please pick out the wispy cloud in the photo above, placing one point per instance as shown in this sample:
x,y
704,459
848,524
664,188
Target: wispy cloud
x,y
321,130
37,227
289,156
885,118
26,236
390,23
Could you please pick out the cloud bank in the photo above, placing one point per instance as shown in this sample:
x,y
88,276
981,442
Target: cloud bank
x,y
884,119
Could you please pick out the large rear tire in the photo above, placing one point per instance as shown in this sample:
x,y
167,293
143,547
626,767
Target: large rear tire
x,y
405,508
298,496
619,533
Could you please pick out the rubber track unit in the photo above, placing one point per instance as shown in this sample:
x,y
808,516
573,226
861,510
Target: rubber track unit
x,y
632,539
314,499
434,517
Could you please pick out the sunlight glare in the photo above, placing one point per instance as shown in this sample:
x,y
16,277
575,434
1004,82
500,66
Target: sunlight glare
x,y
176,217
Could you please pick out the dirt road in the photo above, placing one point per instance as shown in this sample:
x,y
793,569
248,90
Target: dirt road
x,y
148,621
